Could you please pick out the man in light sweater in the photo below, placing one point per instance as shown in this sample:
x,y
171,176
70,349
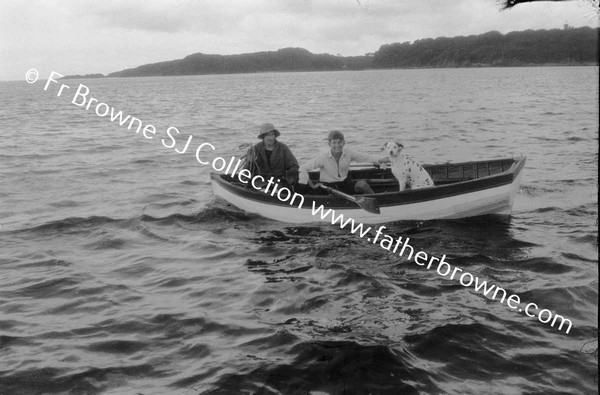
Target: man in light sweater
x,y
335,164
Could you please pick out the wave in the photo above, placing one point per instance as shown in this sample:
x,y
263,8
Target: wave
x,y
193,183
208,215
536,264
278,270
569,301
551,209
69,225
53,287
117,346
144,161
333,367
585,210
64,203
153,199
576,139
14,341
580,218
88,380
46,263
536,190
457,348
108,243
76,224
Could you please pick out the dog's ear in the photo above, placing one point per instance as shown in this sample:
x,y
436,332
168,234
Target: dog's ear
x,y
382,147
400,145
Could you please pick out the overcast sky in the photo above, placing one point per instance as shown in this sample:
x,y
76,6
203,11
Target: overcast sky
x,y
81,37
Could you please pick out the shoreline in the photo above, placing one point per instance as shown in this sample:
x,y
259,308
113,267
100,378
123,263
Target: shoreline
x,y
475,66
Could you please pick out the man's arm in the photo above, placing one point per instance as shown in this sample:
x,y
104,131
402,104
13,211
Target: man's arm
x,y
314,163
360,157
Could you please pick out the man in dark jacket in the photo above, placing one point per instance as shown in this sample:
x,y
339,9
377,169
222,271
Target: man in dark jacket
x,y
271,158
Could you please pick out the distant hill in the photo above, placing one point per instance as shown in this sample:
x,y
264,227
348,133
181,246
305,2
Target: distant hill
x,y
531,47
97,75
287,59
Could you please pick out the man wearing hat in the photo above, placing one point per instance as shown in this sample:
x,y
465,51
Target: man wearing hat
x,y
272,158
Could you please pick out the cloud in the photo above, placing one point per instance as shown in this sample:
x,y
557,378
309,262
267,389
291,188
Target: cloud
x,y
185,15
86,37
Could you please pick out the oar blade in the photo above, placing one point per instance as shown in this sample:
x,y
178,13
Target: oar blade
x,y
368,204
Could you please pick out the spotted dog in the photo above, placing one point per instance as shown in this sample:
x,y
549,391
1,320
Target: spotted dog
x,y
409,172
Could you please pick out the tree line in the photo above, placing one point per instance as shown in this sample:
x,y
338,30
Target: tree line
x,y
567,46
530,47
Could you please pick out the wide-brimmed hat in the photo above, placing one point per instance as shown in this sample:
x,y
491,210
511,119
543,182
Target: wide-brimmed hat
x,y
266,128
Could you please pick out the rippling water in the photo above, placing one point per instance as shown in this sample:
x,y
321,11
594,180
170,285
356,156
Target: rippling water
x,y
120,273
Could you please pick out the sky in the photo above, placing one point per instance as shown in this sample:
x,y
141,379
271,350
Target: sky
x,y
84,37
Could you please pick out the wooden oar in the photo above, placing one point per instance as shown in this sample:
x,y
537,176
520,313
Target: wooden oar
x,y
366,203
362,165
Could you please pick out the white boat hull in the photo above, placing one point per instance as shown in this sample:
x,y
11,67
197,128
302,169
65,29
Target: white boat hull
x,y
497,200
462,190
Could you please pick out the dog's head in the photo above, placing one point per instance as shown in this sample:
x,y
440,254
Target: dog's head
x,y
392,149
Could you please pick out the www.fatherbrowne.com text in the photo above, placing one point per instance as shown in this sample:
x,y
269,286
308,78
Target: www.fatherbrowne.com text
x,y
442,267
82,98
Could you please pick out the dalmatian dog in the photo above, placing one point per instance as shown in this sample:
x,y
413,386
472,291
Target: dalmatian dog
x,y
409,172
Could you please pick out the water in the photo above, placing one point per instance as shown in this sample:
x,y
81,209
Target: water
x,y
120,273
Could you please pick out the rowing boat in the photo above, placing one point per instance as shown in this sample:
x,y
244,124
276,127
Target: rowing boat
x,y
461,190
